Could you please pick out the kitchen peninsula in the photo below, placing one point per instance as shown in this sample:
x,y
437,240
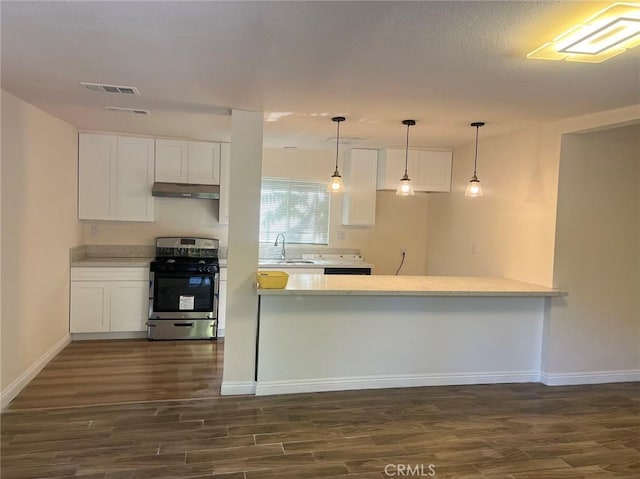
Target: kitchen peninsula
x,y
325,332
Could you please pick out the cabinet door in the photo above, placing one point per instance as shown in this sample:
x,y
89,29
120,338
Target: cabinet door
x,y
359,200
435,171
223,204
90,307
204,163
96,156
391,168
129,305
134,179
171,161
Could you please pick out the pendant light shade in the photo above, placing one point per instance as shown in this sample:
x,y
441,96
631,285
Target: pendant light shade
x,y
405,188
473,188
336,185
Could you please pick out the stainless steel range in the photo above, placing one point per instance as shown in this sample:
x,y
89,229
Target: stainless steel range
x,y
183,290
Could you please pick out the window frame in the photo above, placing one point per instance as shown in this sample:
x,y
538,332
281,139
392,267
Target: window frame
x,y
291,231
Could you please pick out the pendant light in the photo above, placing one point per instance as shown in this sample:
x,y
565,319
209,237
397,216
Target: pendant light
x,y
336,185
405,188
473,188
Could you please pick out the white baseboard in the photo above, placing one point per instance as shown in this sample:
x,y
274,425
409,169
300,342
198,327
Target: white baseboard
x,y
13,389
221,333
590,377
395,381
237,388
115,335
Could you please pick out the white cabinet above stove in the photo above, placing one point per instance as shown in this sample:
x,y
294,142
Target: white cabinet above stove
x,y
193,162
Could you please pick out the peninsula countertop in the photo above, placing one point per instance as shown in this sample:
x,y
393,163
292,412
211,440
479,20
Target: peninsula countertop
x,y
382,285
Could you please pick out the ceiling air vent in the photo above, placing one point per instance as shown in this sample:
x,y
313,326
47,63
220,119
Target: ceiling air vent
x,y
347,140
124,90
135,111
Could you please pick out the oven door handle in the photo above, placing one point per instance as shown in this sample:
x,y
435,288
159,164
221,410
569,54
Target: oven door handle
x,y
183,325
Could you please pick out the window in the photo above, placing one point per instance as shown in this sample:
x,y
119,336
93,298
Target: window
x,y
299,209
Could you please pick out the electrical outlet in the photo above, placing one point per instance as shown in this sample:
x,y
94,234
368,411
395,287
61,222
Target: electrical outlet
x,y
95,230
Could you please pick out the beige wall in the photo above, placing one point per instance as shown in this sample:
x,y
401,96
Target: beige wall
x,y
174,217
597,255
509,231
39,225
400,222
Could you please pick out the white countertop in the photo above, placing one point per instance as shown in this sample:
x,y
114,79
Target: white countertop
x,y
380,285
92,262
320,264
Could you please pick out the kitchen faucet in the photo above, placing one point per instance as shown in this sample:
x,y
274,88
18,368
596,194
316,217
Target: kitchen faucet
x,y
283,252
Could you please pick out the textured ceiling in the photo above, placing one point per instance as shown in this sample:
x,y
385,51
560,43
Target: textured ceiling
x,y
444,64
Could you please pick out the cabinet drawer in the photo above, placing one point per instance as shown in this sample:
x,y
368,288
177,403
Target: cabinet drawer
x,y
109,274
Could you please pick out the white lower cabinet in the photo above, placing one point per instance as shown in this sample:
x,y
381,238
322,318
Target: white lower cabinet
x,y
109,300
90,306
129,305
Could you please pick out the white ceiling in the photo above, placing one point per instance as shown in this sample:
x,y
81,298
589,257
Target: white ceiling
x,y
444,64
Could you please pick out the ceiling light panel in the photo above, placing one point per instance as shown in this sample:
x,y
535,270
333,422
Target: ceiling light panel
x,y
606,34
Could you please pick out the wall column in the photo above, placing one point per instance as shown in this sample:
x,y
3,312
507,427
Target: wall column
x,y
244,221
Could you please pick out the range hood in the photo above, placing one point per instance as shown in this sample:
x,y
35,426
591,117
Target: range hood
x,y
183,190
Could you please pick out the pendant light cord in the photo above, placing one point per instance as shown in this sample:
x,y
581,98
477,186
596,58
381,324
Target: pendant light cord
x,y
475,161
409,124
477,124
406,154
337,143
337,119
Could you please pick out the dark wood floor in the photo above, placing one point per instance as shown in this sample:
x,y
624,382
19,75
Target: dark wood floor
x,y
133,370
490,431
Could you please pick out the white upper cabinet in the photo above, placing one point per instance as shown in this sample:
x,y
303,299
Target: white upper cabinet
x,y
204,163
196,162
96,174
435,171
171,161
429,170
115,175
359,199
